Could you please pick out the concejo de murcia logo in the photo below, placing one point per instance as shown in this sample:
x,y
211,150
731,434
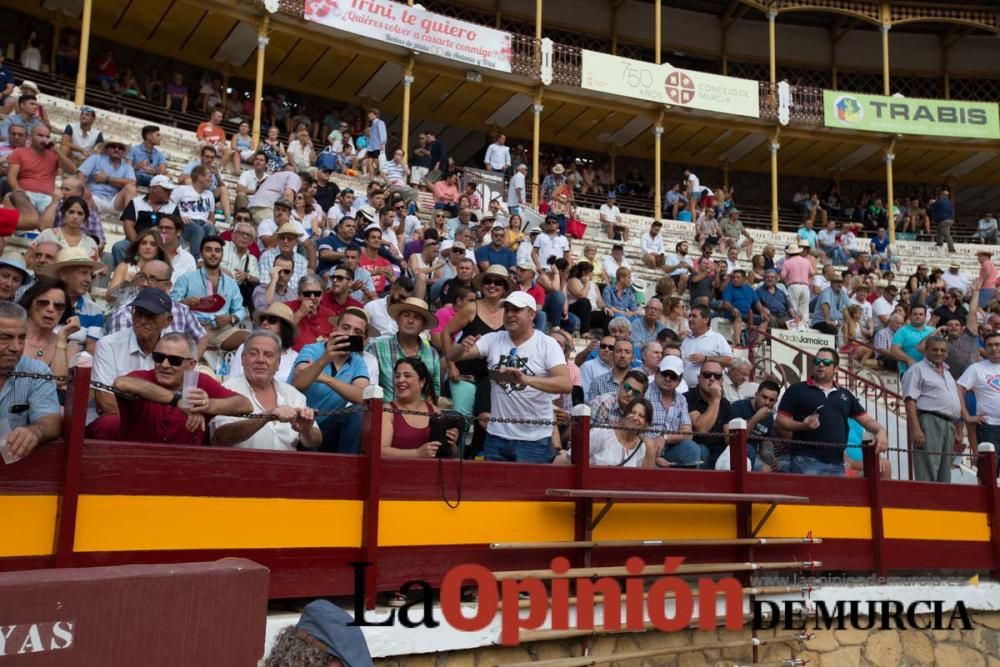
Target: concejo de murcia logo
x,y
526,604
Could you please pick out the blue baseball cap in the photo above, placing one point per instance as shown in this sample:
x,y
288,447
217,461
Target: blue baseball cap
x,y
154,301
327,623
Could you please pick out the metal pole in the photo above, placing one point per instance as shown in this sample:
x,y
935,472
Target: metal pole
x,y
407,83
659,32
774,181
81,70
886,25
657,185
773,74
258,89
536,142
538,22
889,194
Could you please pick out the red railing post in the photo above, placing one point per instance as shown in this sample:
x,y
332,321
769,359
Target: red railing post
x,y
873,477
73,430
987,471
371,448
580,437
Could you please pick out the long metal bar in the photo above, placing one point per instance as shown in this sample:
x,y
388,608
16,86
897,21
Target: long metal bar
x,y
258,86
632,544
650,570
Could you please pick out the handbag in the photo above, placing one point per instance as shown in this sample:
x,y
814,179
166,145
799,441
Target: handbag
x,y
576,229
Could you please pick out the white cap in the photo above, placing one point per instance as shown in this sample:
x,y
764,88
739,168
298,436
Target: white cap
x,y
520,299
672,363
163,181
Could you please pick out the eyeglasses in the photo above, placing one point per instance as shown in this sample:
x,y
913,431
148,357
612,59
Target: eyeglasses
x,y
823,362
711,376
338,278
175,360
670,375
153,279
271,319
630,390
607,347
494,282
312,293
45,303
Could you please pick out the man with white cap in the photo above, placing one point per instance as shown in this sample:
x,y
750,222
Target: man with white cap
x,y
143,213
526,368
517,190
671,418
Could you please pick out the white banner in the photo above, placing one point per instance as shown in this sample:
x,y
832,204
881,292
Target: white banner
x,y
416,30
795,365
665,84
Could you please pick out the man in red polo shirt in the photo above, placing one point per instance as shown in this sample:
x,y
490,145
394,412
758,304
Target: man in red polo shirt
x,y
154,416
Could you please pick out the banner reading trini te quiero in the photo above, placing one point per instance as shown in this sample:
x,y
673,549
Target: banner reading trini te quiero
x,y
900,115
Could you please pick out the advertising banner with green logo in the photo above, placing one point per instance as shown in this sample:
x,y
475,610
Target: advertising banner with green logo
x,y
901,115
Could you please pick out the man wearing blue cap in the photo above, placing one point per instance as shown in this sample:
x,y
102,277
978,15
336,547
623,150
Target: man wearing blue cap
x,y
323,637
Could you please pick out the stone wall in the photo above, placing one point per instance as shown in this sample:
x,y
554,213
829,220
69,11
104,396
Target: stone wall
x,y
979,647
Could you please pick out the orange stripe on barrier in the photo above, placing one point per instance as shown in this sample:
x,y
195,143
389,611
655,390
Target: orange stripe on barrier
x,y
944,525
29,525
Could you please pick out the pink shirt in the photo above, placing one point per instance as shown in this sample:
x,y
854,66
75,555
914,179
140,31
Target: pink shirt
x,y
796,270
988,274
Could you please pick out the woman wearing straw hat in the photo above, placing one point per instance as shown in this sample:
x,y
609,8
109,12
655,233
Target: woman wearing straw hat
x,y
469,380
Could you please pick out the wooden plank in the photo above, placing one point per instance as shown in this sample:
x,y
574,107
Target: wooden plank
x,y
619,544
678,497
650,570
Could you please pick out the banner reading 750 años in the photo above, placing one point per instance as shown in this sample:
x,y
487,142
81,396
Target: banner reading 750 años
x,y
415,29
901,115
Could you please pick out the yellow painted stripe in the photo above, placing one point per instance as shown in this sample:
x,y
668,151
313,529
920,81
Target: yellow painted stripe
x,y
829,521
909,524
29,525
427,522
662,521
151,523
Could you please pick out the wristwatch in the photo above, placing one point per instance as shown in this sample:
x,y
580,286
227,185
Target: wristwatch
x,y
176,399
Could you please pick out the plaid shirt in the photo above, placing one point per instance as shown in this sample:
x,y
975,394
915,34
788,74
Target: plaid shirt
x,y
91,226
602,384
668,420
183,321
387,351
604,409
300,266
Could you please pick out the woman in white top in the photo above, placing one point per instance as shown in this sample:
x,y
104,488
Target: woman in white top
x,y
311,217
70,233
301,152
622,445
675,317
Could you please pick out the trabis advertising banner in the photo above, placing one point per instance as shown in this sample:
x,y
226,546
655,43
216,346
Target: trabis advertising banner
x,y
901,115
665,84
416,29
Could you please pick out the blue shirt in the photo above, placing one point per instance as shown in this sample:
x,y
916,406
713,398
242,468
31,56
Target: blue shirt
x,y
907,338
318,395
880,245
139,154
6,78
808,235
641,335
742,298
837,302
336,244
777,303
625,302
17,119
941,209
33,398
505,257
195,283
96,163
377,135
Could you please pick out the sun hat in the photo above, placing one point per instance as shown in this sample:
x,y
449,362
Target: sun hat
x,y
497,270
69,258
558,169
414,305
278,310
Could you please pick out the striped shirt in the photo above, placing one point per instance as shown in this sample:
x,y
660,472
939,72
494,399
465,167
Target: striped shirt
x,y
91,320
300,266
24,401
668,420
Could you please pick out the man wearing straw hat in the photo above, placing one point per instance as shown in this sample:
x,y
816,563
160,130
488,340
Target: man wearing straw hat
x,y
413,317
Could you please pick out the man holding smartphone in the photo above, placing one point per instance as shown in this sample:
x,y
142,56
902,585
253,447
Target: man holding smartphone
x,y
525,368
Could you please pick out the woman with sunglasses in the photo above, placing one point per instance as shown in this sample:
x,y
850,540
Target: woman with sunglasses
x,y
70,234
126,281
408,435
50,308
469,380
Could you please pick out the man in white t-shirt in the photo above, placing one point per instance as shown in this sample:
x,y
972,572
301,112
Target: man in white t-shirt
x,y
882,306
611,219
550,245
702,345
196,206
679,266
527,369
612,263
517,191
983,379
280,185
651,246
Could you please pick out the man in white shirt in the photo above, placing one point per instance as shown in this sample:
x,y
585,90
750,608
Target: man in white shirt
x,y
882,306
981,379
679,267
611,219
526,369
498,155
378,309
280,185
517,193
549,246
250,180
196,206
651,246
702,345
612,263
953,278
292,422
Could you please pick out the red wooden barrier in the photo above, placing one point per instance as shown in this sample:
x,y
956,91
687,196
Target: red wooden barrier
x,y
74,424
987,471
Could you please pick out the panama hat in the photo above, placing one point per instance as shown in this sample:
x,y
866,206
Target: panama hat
x,y
69,258
278,310
792,250
558,169
497,270
414,305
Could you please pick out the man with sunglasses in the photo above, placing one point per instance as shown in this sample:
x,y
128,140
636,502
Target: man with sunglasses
x,y
609,408
622,357
159,275
709,411
338,297
594,367
128,350
326,190
671,423
817,411
110,179
279,289
150,399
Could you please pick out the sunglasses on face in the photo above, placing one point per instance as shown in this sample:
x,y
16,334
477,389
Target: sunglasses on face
x,y
242,218
338,278
711,376
670,375
823,362
284,272
312,293
631,391
45,303
607,347
175,360
494,283
270,319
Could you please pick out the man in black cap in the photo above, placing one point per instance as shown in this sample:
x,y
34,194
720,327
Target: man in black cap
x,y
125,351
323,637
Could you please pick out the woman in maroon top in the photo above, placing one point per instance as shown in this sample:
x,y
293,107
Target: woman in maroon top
x,y
408,435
